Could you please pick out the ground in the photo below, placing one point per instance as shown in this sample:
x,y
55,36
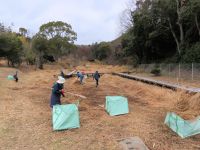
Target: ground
x,y
25,115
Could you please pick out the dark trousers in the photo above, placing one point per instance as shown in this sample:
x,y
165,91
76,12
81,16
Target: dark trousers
x,y
97,82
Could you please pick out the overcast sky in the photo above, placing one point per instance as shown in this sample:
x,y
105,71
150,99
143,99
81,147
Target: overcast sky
x,y
93,20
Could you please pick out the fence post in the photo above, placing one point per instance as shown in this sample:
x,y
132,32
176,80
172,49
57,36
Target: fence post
x,y
192,71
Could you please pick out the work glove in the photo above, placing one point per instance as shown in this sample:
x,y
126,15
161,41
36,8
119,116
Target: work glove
x,y
63,93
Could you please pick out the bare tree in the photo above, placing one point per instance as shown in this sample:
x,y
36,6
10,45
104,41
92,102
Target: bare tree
x,y
126,21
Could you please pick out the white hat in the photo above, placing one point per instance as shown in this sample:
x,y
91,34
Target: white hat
x,y
60,80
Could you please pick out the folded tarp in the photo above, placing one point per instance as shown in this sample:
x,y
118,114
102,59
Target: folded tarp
x,y
184,128
65,117
116,105
10,77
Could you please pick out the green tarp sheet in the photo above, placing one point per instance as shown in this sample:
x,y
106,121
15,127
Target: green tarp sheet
x,y
65,117
184,128
10,77
116,105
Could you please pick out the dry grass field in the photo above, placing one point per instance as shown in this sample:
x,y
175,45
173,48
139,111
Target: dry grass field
x,y
25,115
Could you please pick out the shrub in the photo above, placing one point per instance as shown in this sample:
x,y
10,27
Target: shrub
x,y
11,48
156,71
101,51
192,54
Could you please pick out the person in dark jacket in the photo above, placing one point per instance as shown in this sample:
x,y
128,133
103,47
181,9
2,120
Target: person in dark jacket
x,y
62,74
15,76
81,76
57,91
96,76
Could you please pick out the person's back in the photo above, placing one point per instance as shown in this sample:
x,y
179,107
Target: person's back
x,y
96,76
81,76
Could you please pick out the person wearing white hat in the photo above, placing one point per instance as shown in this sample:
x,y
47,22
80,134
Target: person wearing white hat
x,y
57,91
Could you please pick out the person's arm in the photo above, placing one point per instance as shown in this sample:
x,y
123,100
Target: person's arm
x,y
62,90
62,93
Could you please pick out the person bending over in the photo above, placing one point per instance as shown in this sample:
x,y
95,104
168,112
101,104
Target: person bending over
x,y
57,91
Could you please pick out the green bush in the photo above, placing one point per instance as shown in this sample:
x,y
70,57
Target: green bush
x,y
101,51
11,48
156,71
192,54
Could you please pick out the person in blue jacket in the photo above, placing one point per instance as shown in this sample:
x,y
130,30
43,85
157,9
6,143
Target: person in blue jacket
x,y
57,91
96,76
81,76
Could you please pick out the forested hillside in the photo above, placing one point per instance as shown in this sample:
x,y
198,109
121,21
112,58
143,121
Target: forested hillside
x,y
163,31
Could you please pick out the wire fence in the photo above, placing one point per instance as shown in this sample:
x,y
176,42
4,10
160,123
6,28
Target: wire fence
x,y
181,71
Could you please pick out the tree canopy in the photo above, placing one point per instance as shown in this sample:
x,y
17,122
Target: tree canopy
x,y
60,37
54,39
11,48
162,29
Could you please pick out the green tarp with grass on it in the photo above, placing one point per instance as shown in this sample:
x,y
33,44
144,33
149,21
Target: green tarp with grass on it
x,y
65,117
116,105
184,128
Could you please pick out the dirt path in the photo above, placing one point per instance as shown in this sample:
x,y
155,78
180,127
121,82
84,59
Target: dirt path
x,y
25,116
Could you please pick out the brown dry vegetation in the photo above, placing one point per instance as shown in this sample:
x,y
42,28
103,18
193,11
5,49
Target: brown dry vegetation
x,y
25,115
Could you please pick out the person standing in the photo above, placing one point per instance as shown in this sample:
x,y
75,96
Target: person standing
x,y
96,76
81,76
57,91
15,76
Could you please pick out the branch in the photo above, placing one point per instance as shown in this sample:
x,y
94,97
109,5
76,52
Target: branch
x,y
197,24
174,35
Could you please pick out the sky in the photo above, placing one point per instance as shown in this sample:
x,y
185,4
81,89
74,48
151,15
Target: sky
x,y
92,20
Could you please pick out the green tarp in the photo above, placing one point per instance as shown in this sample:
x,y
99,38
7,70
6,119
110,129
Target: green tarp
x,y
184,128
10,77
116,105
65,117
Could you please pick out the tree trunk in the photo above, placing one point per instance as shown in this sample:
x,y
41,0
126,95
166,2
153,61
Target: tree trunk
x,y
197,23
40,61
175,37
181,33
178,7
